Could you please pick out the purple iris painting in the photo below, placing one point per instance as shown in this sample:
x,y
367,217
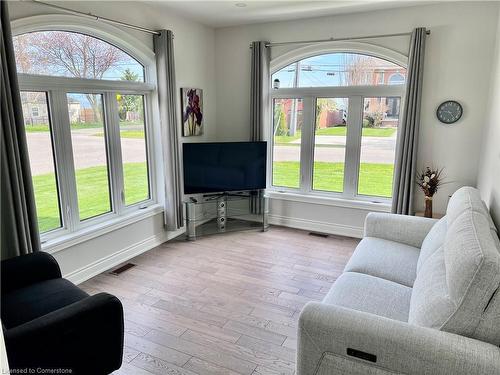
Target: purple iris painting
x,y
192,112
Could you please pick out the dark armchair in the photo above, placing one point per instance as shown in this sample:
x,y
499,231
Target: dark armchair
x,y
50,323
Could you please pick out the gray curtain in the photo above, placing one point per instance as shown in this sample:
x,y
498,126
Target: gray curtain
x,y
167,93
19,228
406,153
259,89
259,99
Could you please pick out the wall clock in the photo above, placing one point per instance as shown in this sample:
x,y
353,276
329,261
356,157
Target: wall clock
x,y
449,112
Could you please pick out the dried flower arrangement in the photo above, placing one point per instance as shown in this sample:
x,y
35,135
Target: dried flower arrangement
x,y
429,180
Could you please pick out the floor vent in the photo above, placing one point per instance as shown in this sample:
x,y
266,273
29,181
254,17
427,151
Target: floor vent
x,y
316,234
122,269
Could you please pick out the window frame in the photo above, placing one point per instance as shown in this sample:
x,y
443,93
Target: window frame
x,y
58,87
355,95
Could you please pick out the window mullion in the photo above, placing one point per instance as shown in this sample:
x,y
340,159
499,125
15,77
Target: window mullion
x,y
113,145
306,147
353,146
64,159
150,146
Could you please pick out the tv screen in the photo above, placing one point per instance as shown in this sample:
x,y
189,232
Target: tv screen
x,y
224,166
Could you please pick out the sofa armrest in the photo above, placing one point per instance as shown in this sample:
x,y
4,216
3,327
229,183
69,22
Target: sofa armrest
x,y
25,270
86,336
327,333
410,230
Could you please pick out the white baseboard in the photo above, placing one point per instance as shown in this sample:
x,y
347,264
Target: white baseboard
x,y
317,226
80,275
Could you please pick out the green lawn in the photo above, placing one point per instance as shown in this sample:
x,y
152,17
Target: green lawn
x,y
367,132
40,128
339,131
93,192
47,204
280,139
136,134
374,179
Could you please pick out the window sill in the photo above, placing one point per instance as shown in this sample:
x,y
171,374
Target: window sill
x,y
63,242
331,201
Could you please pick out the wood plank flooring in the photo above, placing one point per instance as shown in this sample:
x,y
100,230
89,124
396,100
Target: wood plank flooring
x,y
225,304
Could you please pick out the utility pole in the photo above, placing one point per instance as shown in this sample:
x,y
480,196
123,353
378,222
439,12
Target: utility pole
x,y
293,114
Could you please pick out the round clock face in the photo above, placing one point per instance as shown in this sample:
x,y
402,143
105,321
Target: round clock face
x,y
449,112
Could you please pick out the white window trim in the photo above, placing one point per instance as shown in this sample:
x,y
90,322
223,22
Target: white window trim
x,y
328,200
57,87
310,93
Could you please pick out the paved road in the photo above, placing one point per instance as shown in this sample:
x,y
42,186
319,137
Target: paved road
x,y
373,150
88,150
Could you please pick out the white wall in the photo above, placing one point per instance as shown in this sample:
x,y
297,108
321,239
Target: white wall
x,y
457,65
195,67
489,165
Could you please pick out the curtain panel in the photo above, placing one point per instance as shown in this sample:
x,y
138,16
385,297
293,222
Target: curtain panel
x,y
259,99
259,89
406,153
19,227
167,94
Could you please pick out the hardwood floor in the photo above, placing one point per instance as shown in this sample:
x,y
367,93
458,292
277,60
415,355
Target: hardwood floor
x,y
225,304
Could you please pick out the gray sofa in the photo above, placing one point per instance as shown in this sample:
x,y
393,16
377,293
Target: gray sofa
x,y
418,296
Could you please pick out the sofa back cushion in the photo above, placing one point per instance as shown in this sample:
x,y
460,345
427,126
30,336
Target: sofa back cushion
x,y
464,199
433,241
456,286
430,304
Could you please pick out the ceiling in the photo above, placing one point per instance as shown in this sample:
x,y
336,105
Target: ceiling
x,y
238,12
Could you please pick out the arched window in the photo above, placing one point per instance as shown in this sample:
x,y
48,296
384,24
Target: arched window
x,y
75,55
85,106
397,79
334,70
335,118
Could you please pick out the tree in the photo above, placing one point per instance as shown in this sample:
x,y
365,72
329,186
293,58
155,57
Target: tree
x,y
128,103
375,113
280,127
68,54
21,50
129,75
324,104
359,70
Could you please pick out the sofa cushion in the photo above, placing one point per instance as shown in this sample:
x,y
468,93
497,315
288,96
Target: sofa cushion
x,y
488,217
385,259
431,304
433,241
28,303
455,286
466,199
370,294
473,270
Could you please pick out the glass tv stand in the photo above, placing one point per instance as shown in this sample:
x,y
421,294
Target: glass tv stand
x,y
223,213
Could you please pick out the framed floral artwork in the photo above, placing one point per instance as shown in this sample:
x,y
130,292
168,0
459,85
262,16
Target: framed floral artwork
x,y
192,112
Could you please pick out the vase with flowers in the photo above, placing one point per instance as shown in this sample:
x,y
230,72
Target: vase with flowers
x,y
429,180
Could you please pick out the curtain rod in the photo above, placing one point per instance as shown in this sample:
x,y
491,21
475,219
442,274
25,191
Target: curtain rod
x,y
276,44
98,18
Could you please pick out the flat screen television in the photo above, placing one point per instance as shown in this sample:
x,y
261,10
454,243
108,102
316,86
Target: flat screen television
x,y
224,166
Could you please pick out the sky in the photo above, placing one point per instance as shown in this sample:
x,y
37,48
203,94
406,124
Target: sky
x,y
321,70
